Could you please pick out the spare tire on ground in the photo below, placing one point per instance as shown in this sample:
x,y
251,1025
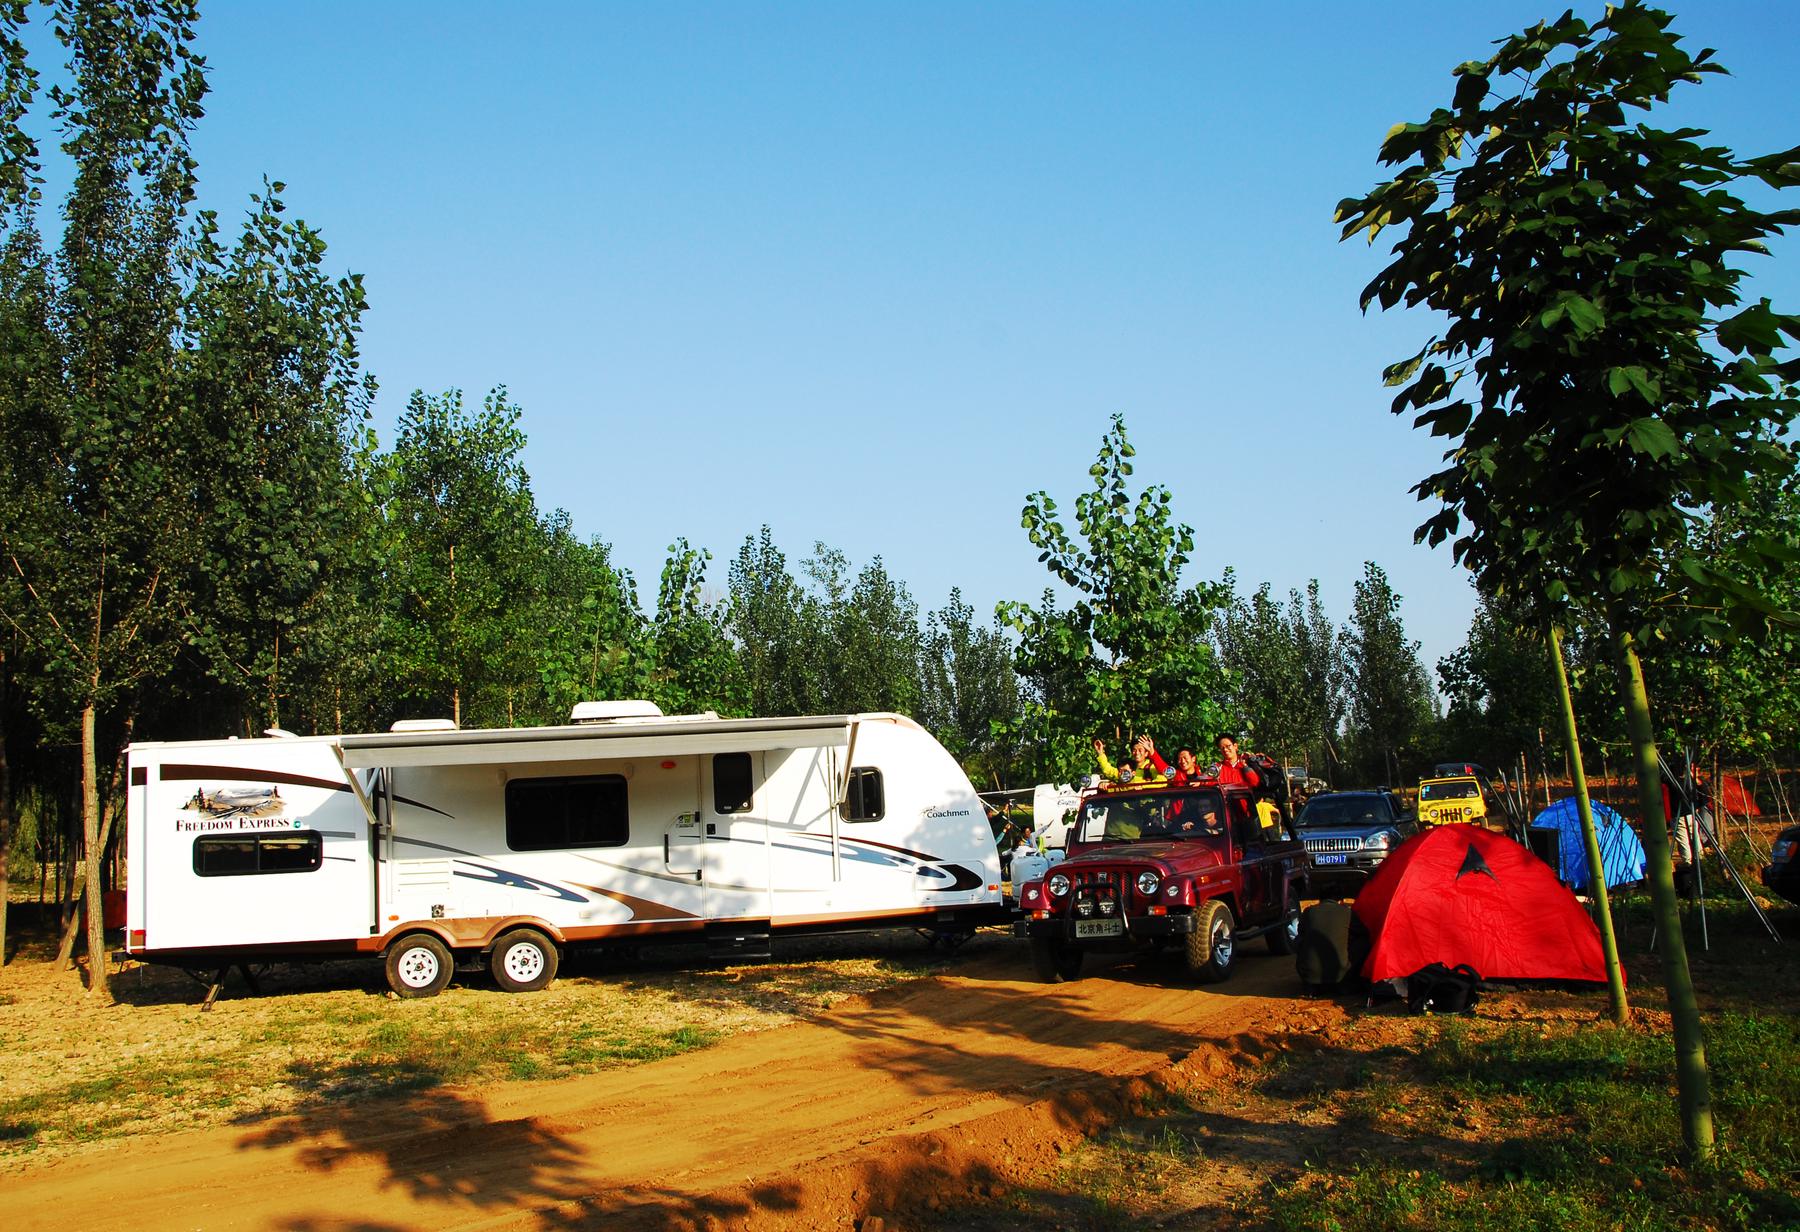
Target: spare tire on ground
x,y
1329,949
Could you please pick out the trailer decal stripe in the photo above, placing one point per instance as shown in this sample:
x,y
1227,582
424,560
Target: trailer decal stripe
x,y
966,879
241,774
905,851
642,908
179,772
861,857
516,881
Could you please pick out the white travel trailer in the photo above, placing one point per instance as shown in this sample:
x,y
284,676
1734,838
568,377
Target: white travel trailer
x,y
437,847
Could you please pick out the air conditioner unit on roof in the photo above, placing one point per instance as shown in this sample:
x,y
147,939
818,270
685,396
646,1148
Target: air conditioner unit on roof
x,y
607,712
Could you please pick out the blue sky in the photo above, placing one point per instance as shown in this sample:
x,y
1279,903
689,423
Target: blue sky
x,y
871,273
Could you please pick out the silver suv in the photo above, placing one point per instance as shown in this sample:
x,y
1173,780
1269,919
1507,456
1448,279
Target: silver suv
x,y
1347,834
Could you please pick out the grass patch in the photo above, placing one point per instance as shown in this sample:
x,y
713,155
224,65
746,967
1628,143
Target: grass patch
x,y
1586,1136
593,1048
101,1107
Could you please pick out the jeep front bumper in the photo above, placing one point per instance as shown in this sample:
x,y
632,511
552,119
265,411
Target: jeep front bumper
x,y
1133,928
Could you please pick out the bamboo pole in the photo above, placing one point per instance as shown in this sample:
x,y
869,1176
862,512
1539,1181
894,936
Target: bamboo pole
x,y
1693,1084
1590,838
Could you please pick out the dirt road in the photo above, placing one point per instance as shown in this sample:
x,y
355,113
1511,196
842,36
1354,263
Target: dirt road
x,y
939,1088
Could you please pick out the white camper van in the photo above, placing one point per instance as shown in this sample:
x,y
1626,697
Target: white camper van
x,y
436,847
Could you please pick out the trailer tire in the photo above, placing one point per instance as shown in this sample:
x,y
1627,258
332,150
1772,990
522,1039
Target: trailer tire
x,y
1212,946
1286,939
419,965
1056,963
523,960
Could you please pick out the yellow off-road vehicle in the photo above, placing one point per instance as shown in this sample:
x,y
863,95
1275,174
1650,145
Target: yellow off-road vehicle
x,y
1452,799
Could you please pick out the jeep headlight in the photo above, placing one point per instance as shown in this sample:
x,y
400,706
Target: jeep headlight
x,y
1058,884
1148,881
1382,841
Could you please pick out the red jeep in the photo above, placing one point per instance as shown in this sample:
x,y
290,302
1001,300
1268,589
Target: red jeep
x,y
1152,865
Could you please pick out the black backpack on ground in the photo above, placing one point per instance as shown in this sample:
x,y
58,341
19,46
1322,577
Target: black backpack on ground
x,y
1437,989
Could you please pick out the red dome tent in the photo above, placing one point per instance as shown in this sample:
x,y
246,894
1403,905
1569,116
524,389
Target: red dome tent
x,y
1464,894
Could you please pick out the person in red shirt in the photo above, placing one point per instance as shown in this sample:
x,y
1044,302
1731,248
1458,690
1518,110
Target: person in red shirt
x,y
1233,768
1187,766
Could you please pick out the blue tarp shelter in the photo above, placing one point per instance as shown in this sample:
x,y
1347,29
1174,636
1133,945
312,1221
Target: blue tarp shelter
x,y
1621,854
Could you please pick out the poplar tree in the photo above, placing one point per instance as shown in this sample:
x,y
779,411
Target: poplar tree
x,y
969,693
271,372
1390,695
466,558
1269,692
1132,652
693,665
100,502
772,629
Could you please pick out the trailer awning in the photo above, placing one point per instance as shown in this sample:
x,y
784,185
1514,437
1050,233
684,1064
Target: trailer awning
x,y
593,742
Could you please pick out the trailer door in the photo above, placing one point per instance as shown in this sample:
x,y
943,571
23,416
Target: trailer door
x,y
735,836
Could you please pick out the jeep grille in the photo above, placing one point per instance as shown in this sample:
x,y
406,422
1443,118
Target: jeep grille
x,y
1332,844
1096,893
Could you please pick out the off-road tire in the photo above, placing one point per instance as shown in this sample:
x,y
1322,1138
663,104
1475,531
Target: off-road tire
x,y
523,960
1212,946
1056,962
1285,940
418,965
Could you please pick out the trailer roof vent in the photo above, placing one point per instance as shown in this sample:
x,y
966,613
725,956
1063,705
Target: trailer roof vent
x,y
424,725
611,712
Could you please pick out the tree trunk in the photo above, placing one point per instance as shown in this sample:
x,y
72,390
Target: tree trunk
x,y
1615,974
1692,1082
6,811
272,704
76,915
96,852
68,897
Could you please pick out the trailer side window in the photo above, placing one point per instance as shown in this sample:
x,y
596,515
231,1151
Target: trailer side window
x,y
732,788
236,855
555,814
865,801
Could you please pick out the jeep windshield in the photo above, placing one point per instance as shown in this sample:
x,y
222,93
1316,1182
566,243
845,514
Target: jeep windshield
x,y
1344,811
1465,789
1125,817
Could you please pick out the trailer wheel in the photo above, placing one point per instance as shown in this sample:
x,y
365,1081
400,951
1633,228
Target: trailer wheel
x,y
1286,939
1212,945
523,960
1056,963
419,966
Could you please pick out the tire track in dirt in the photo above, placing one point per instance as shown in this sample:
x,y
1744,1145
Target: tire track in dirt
x,y
939,1087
